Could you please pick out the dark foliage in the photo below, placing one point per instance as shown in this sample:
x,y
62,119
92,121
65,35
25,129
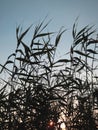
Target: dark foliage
x,y
40,89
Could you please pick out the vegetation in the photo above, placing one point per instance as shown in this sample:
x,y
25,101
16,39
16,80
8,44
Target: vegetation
x,y
42,92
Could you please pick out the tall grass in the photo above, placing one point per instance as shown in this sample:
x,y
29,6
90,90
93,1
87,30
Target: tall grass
x,y
41,88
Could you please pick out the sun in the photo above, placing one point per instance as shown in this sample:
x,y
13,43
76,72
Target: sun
x,y
51,123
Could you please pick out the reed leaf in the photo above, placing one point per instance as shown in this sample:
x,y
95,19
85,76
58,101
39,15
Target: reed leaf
x,y
59,37
64,60
92,51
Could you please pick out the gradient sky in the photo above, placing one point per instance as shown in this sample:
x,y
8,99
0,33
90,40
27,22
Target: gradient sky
x,y
26,12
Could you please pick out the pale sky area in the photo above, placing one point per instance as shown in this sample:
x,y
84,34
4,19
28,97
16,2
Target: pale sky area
x,y
27,12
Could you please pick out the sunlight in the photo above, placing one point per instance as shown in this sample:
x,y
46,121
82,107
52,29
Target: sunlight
x,y
63,126
51,123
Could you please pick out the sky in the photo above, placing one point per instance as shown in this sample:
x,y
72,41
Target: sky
x,y
27,12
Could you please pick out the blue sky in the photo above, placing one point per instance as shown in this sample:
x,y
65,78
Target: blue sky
x,y
26,12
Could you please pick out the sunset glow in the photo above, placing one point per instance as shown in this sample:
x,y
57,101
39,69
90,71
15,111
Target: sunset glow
x,y
51,123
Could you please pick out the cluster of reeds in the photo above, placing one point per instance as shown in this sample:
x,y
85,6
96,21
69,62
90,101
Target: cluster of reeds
x,y
42,92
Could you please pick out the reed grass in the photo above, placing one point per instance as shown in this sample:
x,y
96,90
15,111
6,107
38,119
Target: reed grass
x,y
42,87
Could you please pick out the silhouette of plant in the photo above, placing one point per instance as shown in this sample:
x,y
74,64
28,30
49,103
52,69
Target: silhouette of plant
x,y
42,92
